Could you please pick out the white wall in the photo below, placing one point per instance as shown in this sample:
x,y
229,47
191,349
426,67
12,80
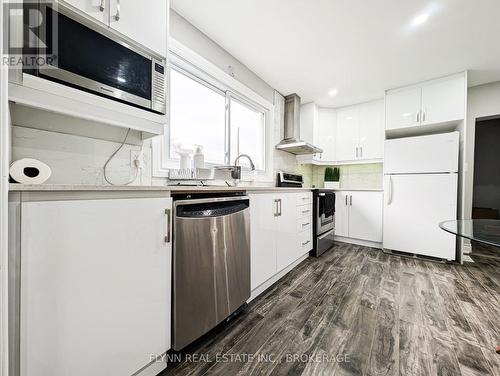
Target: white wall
x,y
4,159
483,102
191,37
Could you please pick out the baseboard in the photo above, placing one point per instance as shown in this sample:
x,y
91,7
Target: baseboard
x,y
153,368
264,286
365,243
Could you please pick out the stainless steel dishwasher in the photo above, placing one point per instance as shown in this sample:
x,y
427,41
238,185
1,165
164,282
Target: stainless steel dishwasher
x,y
211,276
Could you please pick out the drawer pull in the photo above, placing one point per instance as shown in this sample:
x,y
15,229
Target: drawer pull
x,y
304,243
306,224
305,211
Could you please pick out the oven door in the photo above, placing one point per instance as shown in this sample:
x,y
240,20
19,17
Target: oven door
x,y
323,223
323,243
90,57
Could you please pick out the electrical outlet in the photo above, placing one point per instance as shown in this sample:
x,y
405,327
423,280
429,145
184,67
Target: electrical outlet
x,y
137,155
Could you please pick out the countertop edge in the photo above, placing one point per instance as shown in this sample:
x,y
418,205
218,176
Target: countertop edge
x,y
14,187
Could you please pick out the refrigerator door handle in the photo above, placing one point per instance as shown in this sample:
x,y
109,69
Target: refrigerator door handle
x,y
389,196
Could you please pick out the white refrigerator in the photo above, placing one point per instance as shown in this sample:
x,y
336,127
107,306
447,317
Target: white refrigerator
x,y
420,191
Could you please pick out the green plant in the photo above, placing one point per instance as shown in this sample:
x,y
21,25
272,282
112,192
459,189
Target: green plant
x,y
332,174
336,174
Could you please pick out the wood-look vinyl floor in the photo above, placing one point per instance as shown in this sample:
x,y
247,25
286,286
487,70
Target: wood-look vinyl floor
x,y
358,311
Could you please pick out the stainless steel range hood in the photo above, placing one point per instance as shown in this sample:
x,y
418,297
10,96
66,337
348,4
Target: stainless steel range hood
x,y
291,142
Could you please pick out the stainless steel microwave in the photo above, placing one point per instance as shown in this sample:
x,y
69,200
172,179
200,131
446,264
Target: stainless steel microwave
x,y
91,57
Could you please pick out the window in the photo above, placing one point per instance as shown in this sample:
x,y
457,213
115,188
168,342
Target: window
x,y
206,112
197,117
247,133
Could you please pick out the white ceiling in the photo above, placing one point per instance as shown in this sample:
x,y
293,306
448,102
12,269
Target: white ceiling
x,y
359,47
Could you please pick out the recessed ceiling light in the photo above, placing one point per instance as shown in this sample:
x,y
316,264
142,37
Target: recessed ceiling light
x,y
420,19
333,92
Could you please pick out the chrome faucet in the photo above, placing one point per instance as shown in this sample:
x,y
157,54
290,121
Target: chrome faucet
x,y
252,166
235,169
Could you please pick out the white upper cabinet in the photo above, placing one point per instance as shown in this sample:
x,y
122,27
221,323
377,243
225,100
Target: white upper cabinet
x,y
360,132
443,101
354,133
403,108
308,121
144,21
347,136
371,130
433,102
96,9
325,134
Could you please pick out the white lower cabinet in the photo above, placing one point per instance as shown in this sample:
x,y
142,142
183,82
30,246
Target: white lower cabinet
x,y
262,238
95,285
358,215
342,213
286,231
281,232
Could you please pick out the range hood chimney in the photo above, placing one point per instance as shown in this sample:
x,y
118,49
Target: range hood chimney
x,y
291,142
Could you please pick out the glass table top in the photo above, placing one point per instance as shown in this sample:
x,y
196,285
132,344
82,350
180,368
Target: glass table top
x,y
485,231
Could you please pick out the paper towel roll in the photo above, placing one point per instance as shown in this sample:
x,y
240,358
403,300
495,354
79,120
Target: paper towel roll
x,y
29,171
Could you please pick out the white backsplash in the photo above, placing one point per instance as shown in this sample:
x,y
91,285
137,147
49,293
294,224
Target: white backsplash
x,y
355,176
77,159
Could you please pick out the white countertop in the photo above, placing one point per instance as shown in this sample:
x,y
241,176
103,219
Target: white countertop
x,y
359,189
83,187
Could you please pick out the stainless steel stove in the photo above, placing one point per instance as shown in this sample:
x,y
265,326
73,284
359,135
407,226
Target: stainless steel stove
x,y
324,220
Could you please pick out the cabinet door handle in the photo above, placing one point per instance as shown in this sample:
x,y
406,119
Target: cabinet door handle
x,y
346,198
361,152
350,200
356,152
423,116
102,7
418,116
279,203
167,232
117,15
276,207
304,243
389,194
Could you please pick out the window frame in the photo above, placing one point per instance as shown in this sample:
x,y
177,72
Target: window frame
x,y
200,70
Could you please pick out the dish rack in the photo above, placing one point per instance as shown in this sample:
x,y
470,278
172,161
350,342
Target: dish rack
x,y
191,174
